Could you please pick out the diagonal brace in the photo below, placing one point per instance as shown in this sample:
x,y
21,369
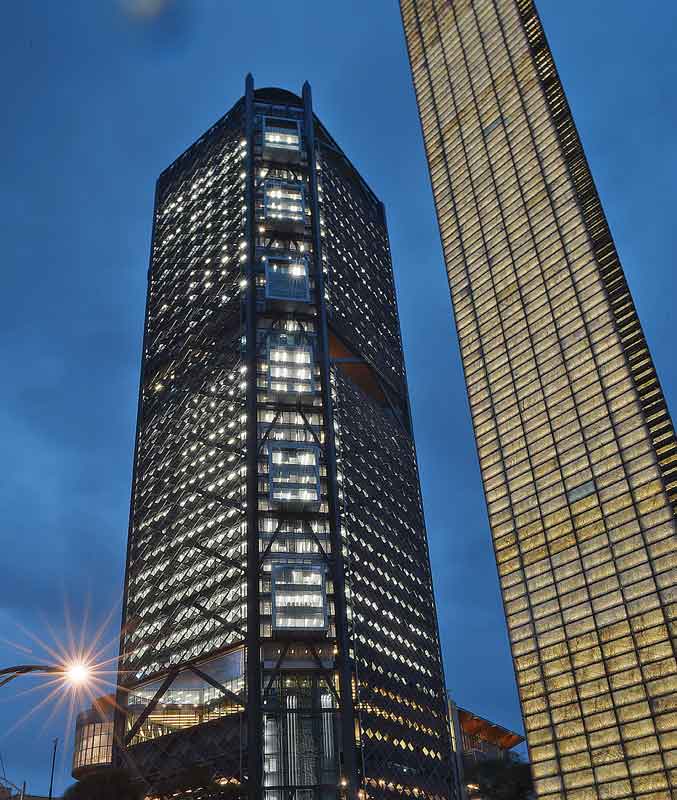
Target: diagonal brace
x,y
148,710
326,675
275,672
213,682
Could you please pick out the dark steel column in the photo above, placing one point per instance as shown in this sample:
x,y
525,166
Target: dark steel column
x,y
254,726
347,712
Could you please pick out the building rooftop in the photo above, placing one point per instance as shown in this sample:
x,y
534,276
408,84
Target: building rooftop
x,y
489,731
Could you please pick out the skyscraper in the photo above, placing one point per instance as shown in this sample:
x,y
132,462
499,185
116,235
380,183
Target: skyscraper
x,y
575,443
279,632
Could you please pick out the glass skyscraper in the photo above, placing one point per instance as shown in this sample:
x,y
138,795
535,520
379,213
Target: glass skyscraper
x,y
279,630
575,442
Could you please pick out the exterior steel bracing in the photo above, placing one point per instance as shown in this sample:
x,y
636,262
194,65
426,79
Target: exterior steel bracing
x,y
404,734
188,490
186,570
279,636
575,442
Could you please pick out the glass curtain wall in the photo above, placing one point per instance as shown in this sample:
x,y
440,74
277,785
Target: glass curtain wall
x,y
575,443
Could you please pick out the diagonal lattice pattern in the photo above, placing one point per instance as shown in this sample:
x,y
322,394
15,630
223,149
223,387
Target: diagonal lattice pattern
x,y
278,589
360,289
182,601
401,687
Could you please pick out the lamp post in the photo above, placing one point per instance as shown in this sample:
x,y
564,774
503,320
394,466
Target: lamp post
x,y
51,779
76,673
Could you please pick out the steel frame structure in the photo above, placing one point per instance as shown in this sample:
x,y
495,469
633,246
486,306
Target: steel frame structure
x,y
205,526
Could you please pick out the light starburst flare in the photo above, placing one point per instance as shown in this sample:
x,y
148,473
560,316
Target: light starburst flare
x,y
77,673
70,670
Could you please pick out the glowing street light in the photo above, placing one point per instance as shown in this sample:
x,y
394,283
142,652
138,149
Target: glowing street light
x,y
76,674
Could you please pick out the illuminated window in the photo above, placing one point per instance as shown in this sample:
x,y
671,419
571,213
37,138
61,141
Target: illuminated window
x,y
287,279
281,134
93,744
290,364
299,597
189,700
294,473
300,739
283,200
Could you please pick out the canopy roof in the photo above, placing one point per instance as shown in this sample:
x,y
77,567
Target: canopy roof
x,y
489,731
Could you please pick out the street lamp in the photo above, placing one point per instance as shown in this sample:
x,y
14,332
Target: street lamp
x,y
75,674
78,673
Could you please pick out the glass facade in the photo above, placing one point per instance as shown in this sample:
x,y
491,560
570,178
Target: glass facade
x,y
281,134
294,474
190,700
299,739
93,746
287,279
279,636
576,446
290,364
283,200
299,597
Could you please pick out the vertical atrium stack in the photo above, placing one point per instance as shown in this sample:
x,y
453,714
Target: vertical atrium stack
x,y
576,446
279,638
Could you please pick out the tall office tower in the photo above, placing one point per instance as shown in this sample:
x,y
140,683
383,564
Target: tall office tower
x,y
575,443
280,637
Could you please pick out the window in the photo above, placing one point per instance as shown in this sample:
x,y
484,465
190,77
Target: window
x,y
281,134
299,597
579,492
189,699
287,279
93,745
500,120
94,735
283,200
294,473
290,364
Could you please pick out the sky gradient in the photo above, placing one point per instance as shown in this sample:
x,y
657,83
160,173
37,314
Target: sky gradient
x,y
98,99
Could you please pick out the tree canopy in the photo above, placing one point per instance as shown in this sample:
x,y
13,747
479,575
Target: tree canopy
x,y
108,784
497,779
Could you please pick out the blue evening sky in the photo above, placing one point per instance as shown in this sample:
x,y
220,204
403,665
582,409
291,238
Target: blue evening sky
x,y
97,100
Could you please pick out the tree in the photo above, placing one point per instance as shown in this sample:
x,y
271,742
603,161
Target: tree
x,y
499,779
106,784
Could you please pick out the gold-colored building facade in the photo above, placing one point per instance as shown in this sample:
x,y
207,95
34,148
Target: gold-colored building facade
x,y
576,446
